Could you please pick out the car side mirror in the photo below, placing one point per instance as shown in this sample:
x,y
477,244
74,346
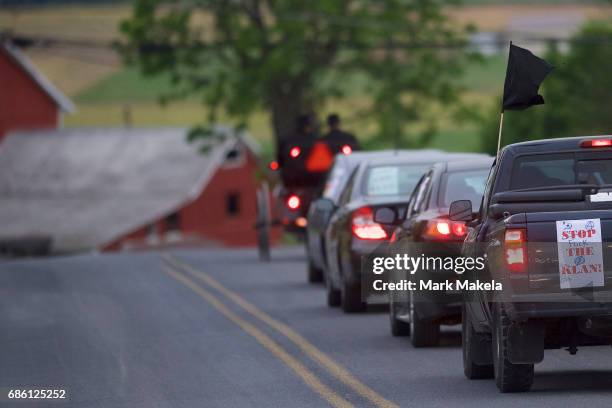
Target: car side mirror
x,y
461,210
386,216
325,204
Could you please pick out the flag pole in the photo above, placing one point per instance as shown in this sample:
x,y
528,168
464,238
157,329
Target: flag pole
x,y
501,126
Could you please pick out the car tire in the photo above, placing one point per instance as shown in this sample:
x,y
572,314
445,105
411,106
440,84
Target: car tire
x,y
398,327
422,333
469,337
509,377
333,295
351,298
315,275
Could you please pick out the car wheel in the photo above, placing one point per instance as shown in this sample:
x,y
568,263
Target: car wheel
x,y
351,298
333,295
470,339
509,377
315,274
398,327
422,333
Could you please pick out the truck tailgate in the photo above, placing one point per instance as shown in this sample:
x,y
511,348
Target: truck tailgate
x,y
570,252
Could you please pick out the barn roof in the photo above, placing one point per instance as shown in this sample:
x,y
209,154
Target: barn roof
x,y
87,187
39,79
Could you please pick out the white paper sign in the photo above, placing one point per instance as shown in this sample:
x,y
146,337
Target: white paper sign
x,y
383,181
580,253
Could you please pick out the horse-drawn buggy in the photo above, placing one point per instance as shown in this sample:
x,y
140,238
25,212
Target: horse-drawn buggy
x,y
296,179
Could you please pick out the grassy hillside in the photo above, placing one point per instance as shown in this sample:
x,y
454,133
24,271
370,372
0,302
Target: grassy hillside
x,y
104,90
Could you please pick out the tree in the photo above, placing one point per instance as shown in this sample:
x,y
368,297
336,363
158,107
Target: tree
x,y
288,57
576,93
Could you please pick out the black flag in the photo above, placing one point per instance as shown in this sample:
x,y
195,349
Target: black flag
x,y
524,75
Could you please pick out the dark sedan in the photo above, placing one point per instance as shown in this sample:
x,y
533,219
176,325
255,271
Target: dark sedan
x,y
427,231
322,209
352,232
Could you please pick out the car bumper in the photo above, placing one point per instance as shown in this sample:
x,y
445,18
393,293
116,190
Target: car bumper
x,y
524,309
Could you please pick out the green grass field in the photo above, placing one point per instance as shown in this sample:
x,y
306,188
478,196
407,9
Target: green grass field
x,y
105,104
104,90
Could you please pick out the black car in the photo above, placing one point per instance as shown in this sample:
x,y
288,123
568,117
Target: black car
x,y
545,231
322,209
352,233
427,231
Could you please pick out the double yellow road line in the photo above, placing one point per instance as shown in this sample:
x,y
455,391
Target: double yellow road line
x,y
186,274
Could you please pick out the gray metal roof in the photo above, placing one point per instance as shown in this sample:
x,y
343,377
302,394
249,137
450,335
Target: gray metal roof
x,y
55,94
87,187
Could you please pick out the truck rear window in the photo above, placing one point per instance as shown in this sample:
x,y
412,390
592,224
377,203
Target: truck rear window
x,y
393,179
559,170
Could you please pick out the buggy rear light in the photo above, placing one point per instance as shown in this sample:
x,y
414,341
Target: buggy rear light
x,y
273,165
440,229
295,152
294,202
364,227
515,250
596,143
301,222
346,149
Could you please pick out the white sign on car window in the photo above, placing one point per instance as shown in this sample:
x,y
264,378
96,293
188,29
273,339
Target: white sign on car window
x,y
383,181
580,253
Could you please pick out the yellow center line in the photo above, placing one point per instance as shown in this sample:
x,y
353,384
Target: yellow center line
x,y
300,369
306,346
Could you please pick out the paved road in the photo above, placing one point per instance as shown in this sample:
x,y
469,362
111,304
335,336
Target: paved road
x,y
219,329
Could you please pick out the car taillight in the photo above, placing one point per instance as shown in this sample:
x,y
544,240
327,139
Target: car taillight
x,y
293,202
273,165
346,149
364,227
295,152
515,250
445,229
596,143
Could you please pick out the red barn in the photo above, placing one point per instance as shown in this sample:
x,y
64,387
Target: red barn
x,y
27,99
113,189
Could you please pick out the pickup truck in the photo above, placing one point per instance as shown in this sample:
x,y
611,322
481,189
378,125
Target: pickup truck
x,y
544,229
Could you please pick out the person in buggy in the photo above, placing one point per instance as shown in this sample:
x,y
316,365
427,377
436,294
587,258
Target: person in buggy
x,y
338,137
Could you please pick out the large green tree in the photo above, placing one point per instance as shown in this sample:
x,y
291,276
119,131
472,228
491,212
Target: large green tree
x,y
577,94
288,57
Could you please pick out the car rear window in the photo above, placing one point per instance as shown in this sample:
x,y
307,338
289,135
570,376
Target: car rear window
x,y
559,170
393,179
464,185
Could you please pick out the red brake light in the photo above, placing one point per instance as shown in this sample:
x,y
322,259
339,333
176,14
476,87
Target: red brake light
x,y
515,250
459,229
346,149
596,143
364,227
293,202
273,165
445,229
295,152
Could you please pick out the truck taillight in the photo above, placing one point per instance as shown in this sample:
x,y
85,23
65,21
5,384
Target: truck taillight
x,y
515,250
445,229
596,143
364,227
293,202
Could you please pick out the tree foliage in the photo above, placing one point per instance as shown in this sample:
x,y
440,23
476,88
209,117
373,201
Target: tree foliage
x,y
576,93
288,57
